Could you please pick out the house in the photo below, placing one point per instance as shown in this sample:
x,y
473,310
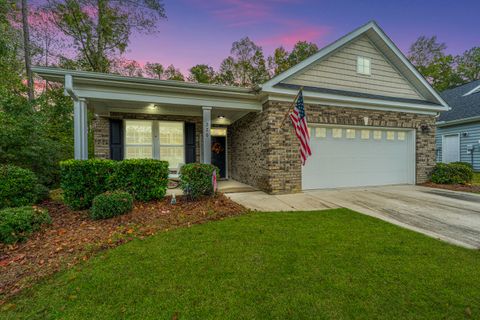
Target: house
x,y
371,117
458,133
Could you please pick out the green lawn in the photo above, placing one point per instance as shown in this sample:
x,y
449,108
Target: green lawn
x,y
476,178
334,264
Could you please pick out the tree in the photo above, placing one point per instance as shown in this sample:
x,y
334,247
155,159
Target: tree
x,y
441,73
101,29
129,68
202,73
278,62
10,45
283,60
246,66
171,73
425,50
427,55
226,72
301,51
26,48
469,64
154,70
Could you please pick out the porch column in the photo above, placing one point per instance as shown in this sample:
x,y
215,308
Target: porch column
x,y
80,129
207,139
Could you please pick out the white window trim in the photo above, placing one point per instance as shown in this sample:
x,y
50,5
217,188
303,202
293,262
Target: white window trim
x,y
125,144
155,139
363,65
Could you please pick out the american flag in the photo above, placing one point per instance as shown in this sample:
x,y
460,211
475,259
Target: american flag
x,y
299,120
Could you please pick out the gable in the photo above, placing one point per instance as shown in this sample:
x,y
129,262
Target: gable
x,y
338,71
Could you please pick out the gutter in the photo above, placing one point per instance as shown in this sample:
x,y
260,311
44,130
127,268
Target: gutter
x,y
458,121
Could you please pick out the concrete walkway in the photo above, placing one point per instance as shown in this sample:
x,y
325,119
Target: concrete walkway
x,y
451,216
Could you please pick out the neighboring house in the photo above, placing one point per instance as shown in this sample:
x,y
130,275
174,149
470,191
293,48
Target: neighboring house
x,y
458,133
371,117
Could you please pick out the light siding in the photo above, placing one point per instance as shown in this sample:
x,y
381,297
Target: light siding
x,y
338,71
473,137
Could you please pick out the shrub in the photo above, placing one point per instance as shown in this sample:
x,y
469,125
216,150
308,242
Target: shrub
x,y
83,180
196,179
452,173
111,204
17,186
16,224
144,179
42,193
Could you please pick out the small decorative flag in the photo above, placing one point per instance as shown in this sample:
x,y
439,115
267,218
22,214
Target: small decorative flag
x,y
214,181
299,120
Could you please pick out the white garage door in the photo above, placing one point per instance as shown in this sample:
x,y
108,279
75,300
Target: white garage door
x,y
351,157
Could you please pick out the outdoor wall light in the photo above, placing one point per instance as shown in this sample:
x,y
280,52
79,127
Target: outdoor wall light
x,y
425,128
464,134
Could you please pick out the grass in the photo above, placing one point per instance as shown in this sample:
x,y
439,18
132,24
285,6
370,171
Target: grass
x,y
334,264
476,178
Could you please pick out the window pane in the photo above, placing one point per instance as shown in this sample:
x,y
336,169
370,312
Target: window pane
x,y
171,133
320,132
138,132
336,133
174,155
365,134
390,135
377,135
350,134
138,152
401,135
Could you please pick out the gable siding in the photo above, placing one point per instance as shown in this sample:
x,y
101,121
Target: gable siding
x,y
339,71
473,137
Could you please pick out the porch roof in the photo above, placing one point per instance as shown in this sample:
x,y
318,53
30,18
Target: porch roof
x,y
113,93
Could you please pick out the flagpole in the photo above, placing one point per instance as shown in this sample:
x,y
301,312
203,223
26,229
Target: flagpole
x,y
291,107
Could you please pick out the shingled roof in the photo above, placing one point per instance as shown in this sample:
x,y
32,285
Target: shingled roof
x,y
463,106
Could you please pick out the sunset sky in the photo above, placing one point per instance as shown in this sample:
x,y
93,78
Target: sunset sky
x,y
202,31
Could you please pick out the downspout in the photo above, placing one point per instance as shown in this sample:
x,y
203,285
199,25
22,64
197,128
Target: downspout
x,y
69,87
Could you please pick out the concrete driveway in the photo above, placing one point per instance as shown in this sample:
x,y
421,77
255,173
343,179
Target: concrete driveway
x,y
451,216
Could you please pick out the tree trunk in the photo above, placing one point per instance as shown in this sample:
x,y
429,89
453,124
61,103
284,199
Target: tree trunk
x,y
26,42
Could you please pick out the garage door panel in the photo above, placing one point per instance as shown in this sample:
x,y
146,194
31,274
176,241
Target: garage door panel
x,y
359,161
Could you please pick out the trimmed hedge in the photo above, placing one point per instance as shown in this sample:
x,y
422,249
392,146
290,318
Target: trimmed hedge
x,y
18,186
83,180
144,179
452,173
111,204
16,224
196,179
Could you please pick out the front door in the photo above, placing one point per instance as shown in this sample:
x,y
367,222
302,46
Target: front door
x,y
219,155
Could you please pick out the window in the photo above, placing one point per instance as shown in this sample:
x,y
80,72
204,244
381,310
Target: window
x,y
172,147
363,65
365,134
377,135
138,139
162,140
390,135
336,133
350,134
401,135
320,132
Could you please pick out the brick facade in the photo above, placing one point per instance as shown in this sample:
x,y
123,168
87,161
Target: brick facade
x,y
101,130
265,153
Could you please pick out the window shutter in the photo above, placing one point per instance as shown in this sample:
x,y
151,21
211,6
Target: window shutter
x,y
189,142
116,139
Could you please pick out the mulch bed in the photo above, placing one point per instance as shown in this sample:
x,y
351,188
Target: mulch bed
x,y
454,187
73,236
